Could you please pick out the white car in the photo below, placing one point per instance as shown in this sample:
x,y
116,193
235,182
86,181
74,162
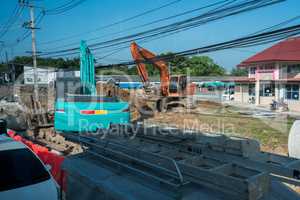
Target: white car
x,y
23,175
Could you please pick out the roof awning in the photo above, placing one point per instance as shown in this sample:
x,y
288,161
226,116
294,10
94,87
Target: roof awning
x,y
217,84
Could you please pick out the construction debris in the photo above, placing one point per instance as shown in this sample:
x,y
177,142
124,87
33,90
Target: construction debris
x,y
172,164
13,113
140,106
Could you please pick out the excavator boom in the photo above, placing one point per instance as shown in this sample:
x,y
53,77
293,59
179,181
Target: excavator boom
x,y
140,54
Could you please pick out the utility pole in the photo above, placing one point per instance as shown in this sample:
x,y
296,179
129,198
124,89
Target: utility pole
x,y
1,49
13,69
32,27
6,58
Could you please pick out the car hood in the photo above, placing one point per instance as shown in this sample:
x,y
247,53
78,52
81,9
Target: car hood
x,y
45,190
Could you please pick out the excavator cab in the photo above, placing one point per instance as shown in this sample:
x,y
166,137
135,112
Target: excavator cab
x,y
178,85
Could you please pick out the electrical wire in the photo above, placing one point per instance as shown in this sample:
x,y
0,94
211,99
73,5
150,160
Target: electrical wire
x,y
114,23
281,24
71,4
145,24
27,33
193,22
64,8
118,49
14,17
58,10
187,24
248,41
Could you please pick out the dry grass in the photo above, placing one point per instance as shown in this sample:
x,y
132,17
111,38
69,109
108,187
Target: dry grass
x,y
272,133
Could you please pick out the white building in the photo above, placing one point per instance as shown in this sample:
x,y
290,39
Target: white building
x,y
46,75
273,74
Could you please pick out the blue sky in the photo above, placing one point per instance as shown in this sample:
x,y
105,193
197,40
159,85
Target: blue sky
x,y
96,13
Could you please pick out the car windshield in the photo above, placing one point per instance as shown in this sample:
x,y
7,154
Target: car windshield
x,y
20,167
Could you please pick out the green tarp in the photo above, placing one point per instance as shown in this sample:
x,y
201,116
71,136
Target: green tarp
x,y
217,84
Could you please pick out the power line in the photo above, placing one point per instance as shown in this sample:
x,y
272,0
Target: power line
x,y
117,50
183,25
285,22
148,23
193,22
281,24
64,8
115,23
14,17
74,50
38,21
58,10
27,33
254,40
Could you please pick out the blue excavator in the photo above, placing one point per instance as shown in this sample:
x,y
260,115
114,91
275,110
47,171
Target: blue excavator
x,y
88,111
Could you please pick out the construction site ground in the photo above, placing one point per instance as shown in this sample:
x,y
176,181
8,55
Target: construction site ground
x,y
270,129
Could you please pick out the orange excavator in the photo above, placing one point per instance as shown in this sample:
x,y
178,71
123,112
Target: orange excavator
x,y
174,90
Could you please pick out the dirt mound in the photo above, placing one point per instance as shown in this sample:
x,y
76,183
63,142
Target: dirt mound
x,y
139,106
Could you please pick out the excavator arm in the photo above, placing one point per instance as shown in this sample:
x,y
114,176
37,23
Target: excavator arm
x,y
140,54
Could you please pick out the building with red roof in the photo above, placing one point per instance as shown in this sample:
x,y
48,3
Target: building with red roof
x,y
273,74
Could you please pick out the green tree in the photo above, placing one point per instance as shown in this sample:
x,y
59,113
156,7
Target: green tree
x,y
239,72
204,66
196,65
73,63
178,64
3,67
132,70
